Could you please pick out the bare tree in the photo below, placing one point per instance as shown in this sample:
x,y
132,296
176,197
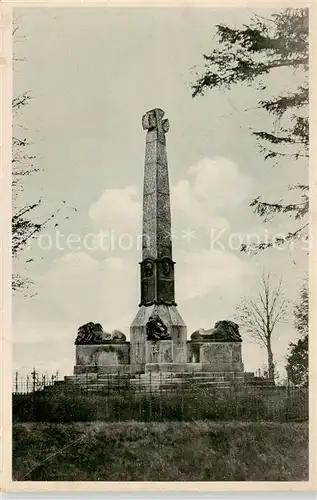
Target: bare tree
x,y
24,224
260,316
26,221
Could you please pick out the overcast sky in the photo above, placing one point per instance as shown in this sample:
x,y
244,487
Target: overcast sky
x,y
92,74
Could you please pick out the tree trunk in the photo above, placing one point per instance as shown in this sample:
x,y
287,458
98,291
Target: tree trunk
x,y
270,361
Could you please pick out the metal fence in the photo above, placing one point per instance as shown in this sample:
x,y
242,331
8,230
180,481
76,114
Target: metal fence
x,y
119,398
31,382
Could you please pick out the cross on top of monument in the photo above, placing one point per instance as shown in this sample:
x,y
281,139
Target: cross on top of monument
x,y
154,119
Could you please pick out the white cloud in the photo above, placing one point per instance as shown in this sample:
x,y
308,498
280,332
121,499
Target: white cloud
x,y
85,289
206,271
73,262
187,210
117,209
212,183
220,181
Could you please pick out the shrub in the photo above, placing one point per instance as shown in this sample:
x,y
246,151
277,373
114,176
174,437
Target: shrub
x,y
189,405
295,406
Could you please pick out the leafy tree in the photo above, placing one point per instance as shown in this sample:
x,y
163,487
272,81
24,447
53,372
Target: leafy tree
x,y
260,316
297,360
248,56
301,311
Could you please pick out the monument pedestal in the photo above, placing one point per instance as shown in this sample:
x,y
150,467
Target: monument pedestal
x,y
108,356
172,350
219,356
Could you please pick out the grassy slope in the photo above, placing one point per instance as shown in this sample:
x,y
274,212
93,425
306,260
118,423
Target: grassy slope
x,y
166,451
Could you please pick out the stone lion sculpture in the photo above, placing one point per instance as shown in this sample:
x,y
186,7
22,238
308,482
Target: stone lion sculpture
x,y
223,331
117,335
155,329
90,333
93,333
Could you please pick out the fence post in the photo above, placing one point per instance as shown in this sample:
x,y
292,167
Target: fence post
x,y
96,413
182,396
236,402
257,410
150,396
33,379
160,396
33,393
107,407
130,398
140,398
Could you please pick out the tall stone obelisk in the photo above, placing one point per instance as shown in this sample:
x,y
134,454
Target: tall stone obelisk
x,y
157,267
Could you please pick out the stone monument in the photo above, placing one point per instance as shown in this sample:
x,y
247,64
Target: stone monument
x,y
158,334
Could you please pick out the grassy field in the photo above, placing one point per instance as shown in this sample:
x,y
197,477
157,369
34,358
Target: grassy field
x,y
161,451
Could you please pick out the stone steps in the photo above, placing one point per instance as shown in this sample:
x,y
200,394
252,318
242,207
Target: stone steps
x,y
152,381
144,384
93,376
146,379
143,389
136,383
182,376
141,386
187,381
150,378
178,379
196,377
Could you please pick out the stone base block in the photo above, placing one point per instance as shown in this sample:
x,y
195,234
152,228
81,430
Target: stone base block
x,y
109,369
108,353
223,367
232,369
173,367
170,367
159,352
140,352
221,356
